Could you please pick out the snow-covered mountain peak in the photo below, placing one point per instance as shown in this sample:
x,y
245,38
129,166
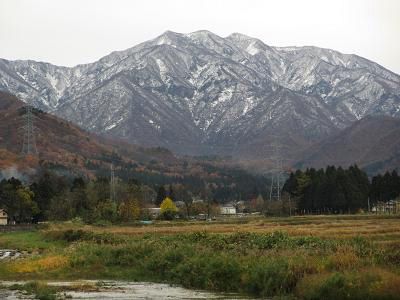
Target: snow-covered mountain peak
x,y
169,38
210,41
202,34
236,36
202,91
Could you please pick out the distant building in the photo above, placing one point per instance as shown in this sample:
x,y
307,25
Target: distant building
x,y
154,212
240,206
3,217
228,210
197,199
391,207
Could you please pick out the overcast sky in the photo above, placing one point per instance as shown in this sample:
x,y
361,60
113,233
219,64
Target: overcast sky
x,y
70,32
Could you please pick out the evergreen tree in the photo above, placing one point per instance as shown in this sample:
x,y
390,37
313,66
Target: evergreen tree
x,y
385,188
171,193
161,195
330,190
78,197
48,186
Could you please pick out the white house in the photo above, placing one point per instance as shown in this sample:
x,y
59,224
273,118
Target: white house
x,y
228,210
391,206
3,217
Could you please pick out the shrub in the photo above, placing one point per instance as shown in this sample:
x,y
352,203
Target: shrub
x,y
71,235
367,284
193,273
223,273
269,278
41,290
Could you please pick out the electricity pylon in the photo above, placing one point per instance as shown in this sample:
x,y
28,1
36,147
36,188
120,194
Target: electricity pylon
x,y
29,142
276,174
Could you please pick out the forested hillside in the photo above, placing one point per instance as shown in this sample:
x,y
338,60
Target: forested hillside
x,y
69,151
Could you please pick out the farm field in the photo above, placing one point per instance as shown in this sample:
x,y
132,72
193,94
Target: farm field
x,y
379,228
310,257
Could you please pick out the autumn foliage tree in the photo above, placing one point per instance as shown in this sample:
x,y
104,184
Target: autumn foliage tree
x,y
168,209
129,210
18,201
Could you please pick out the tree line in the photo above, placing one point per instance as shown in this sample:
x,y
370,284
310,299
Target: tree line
x,y
55,197
339,190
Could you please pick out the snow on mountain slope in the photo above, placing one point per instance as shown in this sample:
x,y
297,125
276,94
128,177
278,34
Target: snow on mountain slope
x,y
200,93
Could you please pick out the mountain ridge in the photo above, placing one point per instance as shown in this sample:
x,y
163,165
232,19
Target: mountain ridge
x,y
372,142
200,93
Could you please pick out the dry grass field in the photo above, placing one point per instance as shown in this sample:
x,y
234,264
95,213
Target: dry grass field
x,y
378,228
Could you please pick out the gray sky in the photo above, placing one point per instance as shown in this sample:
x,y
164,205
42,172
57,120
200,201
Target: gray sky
x,y
70,32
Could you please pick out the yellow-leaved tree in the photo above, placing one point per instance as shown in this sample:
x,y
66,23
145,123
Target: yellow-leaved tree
x,y
168,209
129,210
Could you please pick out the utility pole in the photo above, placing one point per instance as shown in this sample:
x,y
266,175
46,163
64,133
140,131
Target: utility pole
x,y
276,176
112,183
207,198
29,139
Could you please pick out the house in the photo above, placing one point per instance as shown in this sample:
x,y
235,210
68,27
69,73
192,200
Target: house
x,y
3,217
154,212
391,207
228,210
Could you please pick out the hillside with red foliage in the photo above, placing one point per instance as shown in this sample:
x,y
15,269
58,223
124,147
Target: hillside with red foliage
x,y
68,149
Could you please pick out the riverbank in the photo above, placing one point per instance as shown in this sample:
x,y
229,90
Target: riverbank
x,y
103,290
256,262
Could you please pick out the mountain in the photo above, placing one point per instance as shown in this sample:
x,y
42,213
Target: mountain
x,y
200,93
69,150
59,142
373,143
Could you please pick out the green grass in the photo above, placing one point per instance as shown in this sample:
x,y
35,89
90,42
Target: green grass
x,y
28,241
